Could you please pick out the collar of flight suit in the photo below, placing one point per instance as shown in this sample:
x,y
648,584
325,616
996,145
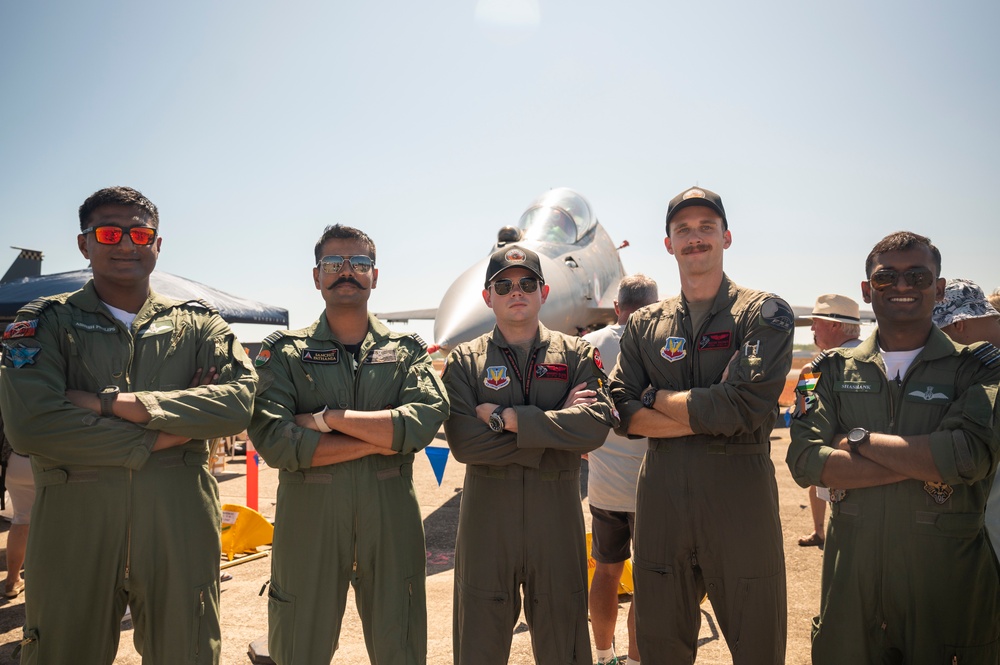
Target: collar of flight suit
x,y
542,337
87,300
377,331
938,345
724,298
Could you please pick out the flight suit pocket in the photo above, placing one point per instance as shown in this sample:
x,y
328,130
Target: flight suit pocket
x,y
205,604
280,624
756,614
414,618
987,654
559,625
952,525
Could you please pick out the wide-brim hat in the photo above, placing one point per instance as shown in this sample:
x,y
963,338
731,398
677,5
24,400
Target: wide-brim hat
x,y
512,256
833,307
963,299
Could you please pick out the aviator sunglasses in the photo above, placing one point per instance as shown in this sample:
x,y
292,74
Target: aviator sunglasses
x,y
918,278
503,286
112,235
360,264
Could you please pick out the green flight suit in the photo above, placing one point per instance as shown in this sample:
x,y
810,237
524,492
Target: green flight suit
x,y
707,504
909,575
112,522
356,522
520,523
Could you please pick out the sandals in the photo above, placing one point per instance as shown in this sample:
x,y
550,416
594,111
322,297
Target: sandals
x,y
812,540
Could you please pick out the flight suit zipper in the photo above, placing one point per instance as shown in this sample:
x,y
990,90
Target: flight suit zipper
x,y
130,488
356,371
75,352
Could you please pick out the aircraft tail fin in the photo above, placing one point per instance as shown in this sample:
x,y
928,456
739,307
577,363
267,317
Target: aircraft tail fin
x,y
27,264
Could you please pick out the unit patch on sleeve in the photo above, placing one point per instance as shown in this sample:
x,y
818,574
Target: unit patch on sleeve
x,y
320,356
776,313
262,357
21,329
673,349
715,340
18,355
597,359
553,371
496,377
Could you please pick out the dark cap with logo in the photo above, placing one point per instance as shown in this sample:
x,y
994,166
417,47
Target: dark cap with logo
x,y
696,196
512,257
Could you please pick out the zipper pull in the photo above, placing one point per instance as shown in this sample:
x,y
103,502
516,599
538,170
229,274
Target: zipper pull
x,y
261,593
201,603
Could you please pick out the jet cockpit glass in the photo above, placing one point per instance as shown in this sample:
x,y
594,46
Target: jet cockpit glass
x,y
560,215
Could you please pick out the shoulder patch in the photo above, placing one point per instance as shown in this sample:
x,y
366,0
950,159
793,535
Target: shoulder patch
x,y
35,307
273,337
776,313
987,354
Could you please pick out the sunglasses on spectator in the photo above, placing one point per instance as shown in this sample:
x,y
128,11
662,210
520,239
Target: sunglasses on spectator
x,y
112,235
502,287
918,278
360,264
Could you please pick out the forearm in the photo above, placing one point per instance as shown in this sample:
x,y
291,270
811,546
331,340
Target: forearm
x,y
908,456
845,470
125,406
674,405
336,448
655,425
373,427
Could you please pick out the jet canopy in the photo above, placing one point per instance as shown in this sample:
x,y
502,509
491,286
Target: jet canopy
x,y
560,215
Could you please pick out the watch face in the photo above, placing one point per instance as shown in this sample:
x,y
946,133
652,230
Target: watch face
x,y
856,435
648,398
496,423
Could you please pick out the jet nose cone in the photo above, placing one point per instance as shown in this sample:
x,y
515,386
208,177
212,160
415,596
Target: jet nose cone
x,y
463,315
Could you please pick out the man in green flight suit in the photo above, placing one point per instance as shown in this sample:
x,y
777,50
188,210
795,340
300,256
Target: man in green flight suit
x,y
343,406
700,375
526,403
901,428
112,391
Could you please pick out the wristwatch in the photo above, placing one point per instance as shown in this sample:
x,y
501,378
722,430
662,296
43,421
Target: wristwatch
x,y
321,421
856,437
108,395
496,422
649,398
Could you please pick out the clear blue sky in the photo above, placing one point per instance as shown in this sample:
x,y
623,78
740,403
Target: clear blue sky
x,y
254,124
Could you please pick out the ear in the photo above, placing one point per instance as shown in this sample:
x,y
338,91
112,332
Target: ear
x,y
618,310
866,291
668,245
939,289
486,298
81,243
319,287
374,277
545,292
727,239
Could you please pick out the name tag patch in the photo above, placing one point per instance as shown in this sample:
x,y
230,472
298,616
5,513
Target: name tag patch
x,y
552,371
320,356
379,356
93,327
715,340
856,387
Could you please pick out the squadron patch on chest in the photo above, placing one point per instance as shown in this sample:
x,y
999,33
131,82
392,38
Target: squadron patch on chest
x,y
552,371
320,356
940,492
21,329
379,356
715,340
496,377
674,349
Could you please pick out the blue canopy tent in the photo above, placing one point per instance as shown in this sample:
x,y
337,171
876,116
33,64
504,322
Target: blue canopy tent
x,y
16,292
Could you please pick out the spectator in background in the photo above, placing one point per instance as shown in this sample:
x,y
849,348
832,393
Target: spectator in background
x,y
21,486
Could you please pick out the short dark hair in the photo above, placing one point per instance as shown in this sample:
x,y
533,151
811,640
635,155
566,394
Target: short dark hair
x,y
635,291
118,196
902,241
341,232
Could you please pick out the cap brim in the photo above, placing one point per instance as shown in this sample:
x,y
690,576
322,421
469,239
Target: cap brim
x,y
835,319
695,201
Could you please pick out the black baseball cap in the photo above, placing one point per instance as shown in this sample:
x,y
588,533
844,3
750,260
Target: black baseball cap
x,y
696,196
512,257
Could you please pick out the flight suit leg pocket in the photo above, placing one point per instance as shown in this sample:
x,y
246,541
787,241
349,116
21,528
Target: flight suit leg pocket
x,y
280,624
414,632
987,654
485,619
558,622
206,639
757,619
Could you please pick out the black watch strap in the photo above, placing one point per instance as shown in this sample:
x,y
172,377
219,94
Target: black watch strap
x,y
108,396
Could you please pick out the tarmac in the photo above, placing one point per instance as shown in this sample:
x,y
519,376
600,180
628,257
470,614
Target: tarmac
x,y
244,609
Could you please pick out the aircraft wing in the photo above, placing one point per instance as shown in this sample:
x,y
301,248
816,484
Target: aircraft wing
x,y
404,317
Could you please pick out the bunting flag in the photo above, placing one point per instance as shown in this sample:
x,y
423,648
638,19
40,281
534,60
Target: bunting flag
x,y
438,457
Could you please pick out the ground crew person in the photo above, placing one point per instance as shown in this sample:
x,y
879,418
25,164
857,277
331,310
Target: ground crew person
x,y
106,389
343,405
526,403
901,430
714,360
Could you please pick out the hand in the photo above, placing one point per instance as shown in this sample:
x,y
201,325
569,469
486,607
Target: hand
x,y
210,377
580,395
840,442
485,410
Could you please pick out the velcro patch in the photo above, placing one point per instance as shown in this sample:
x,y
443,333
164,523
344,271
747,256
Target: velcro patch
x,y
320,356
94,327
857,387
21,329
17,355
776,313
552,371
715,340
928,393
379,356
157,328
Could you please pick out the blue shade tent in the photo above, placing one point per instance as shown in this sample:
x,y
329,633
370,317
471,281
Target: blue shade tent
x,y
15,293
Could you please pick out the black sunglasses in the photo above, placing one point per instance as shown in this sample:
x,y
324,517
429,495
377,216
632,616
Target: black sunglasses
x,y
918,278
502,287
360,264
112,235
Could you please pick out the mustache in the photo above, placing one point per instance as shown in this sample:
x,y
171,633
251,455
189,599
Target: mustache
x,y
346,280
700,247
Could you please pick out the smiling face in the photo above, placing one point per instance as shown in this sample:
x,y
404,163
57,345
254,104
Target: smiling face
x,y
697,240
899,304
516,307
124,264
345,288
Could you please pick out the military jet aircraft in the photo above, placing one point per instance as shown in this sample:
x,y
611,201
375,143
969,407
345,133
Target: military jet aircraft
x,y
579,260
